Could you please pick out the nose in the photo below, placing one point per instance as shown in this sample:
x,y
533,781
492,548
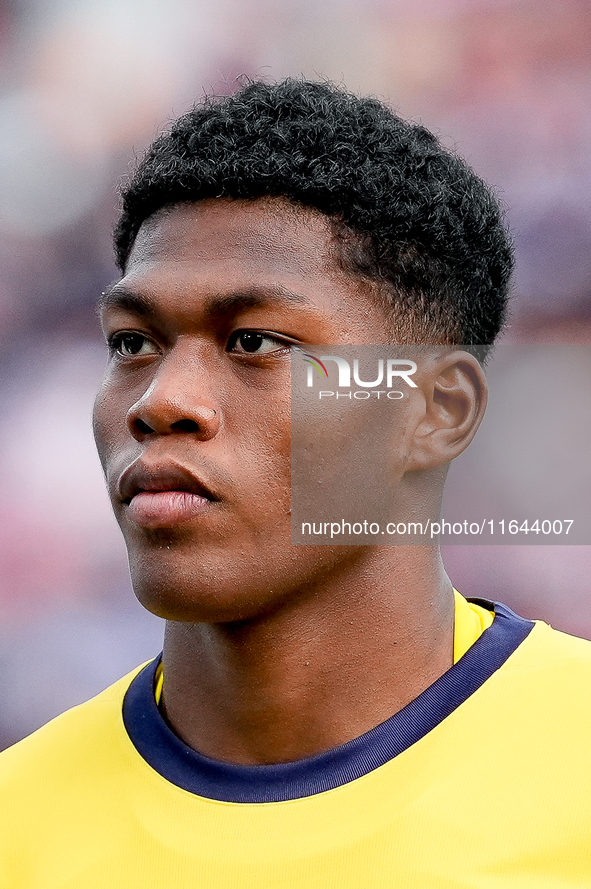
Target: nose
x,y
175,402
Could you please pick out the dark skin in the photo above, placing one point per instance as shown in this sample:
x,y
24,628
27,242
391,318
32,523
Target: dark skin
x,y
272,652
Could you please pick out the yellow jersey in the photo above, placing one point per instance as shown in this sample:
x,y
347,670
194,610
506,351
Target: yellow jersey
x,y
482,781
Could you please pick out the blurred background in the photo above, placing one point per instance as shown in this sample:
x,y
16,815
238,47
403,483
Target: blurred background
x,y
84,87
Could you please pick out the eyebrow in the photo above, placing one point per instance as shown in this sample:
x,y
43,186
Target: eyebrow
x,y
117,297
120,297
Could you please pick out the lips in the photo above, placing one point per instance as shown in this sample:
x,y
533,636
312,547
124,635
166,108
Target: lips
x,y
164,495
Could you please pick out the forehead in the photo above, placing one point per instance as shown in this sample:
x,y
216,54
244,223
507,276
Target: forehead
x,y
263,235
192,252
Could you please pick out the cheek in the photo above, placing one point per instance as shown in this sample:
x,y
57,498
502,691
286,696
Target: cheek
x,y
108,421
260,433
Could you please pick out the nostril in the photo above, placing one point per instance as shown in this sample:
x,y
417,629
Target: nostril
x,y
142,427
185,426
155,414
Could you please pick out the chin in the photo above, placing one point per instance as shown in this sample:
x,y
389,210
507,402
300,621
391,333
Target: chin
x,y
218,584
200,599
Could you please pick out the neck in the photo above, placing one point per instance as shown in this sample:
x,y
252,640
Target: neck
x,y
311,676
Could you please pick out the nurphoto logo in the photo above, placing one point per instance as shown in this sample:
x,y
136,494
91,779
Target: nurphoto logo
x,y
389,371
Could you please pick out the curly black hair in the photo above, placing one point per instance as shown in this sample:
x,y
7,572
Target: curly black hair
x,y
405,212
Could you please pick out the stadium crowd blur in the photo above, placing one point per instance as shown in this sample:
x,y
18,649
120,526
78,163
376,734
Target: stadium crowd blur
x,y
84,86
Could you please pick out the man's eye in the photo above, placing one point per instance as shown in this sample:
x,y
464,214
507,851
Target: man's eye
x,y
253,341
130,344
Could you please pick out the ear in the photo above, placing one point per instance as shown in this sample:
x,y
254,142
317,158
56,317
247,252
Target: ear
x,y
454,400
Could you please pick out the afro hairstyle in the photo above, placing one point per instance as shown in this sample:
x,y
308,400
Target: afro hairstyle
x,y
406,213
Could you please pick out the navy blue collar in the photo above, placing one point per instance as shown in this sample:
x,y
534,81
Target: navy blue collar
x,y
183,766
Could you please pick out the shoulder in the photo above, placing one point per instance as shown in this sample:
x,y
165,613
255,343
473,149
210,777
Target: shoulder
x,y
62,794
541,693
61,751
554,669
549,650
531,643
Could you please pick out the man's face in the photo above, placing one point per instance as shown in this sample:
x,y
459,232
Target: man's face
x,y
192,421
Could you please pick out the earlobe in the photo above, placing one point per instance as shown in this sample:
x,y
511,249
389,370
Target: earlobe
x,y
454,400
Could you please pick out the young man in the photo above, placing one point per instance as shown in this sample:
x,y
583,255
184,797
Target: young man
x,y
324,715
